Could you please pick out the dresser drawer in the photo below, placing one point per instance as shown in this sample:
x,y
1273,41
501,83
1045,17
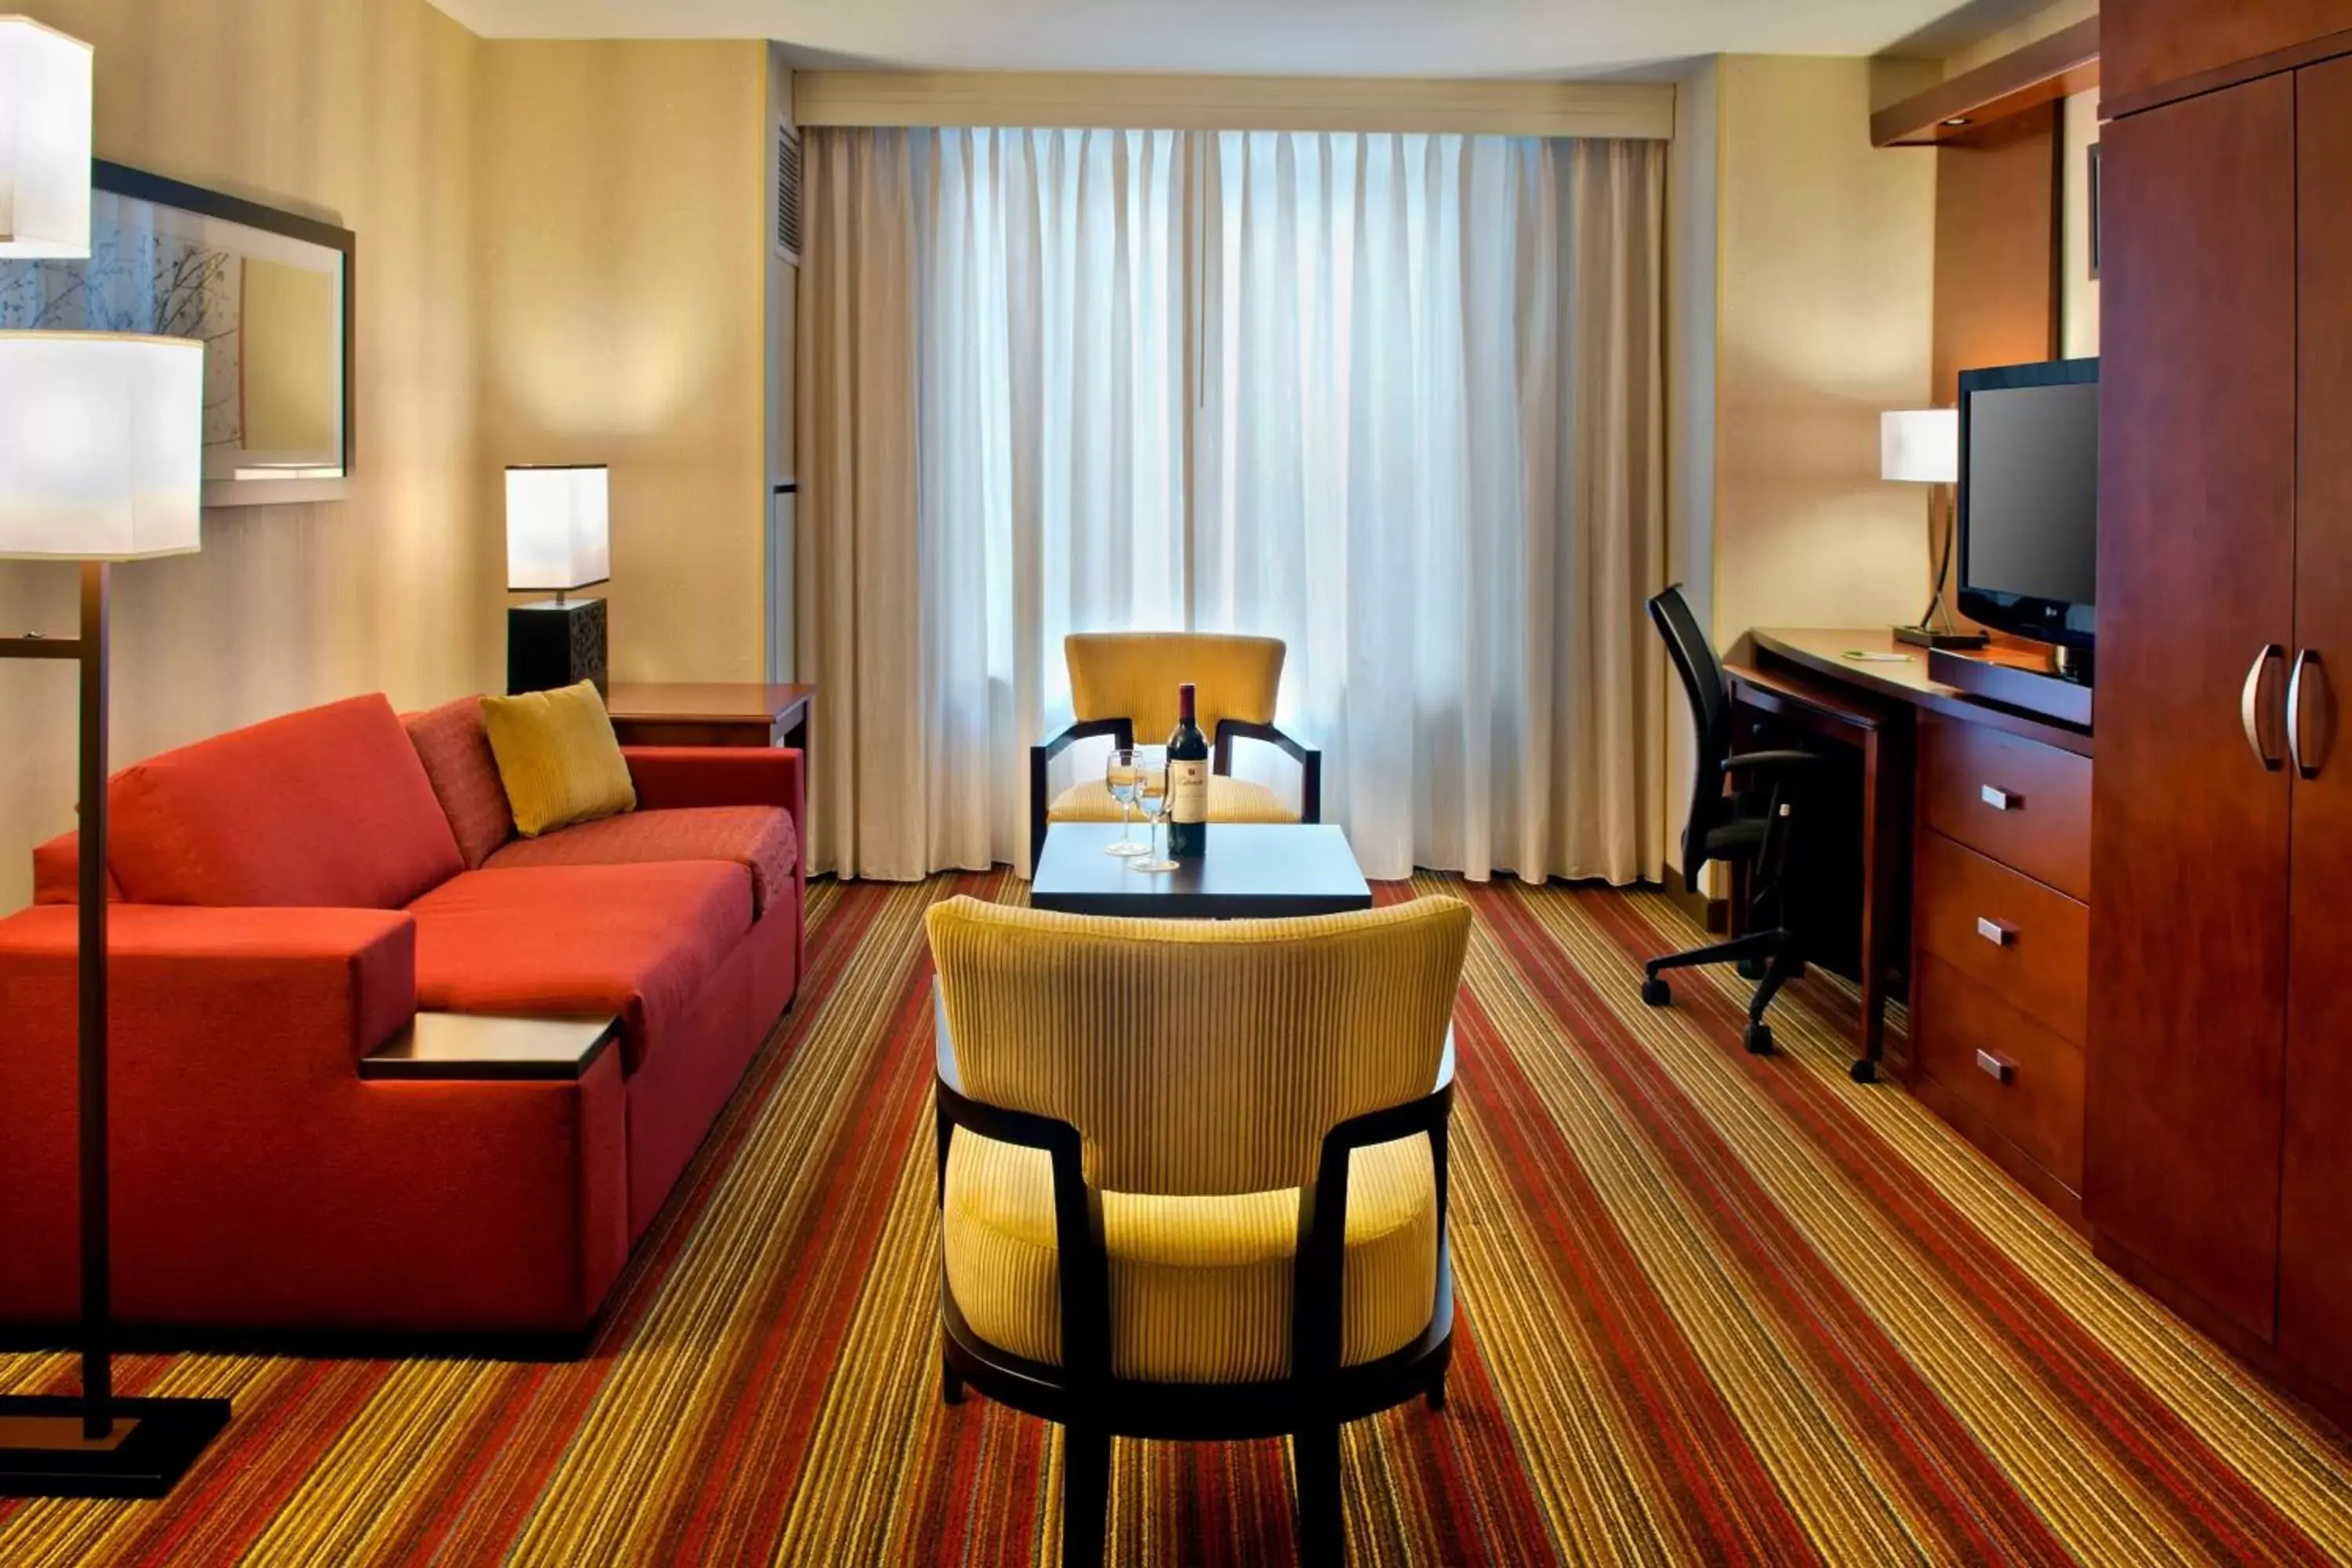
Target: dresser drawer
x,y
2020,1079
2028,945
2025,804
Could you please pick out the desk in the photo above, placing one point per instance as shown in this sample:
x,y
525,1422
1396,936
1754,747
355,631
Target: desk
x,y
1973,834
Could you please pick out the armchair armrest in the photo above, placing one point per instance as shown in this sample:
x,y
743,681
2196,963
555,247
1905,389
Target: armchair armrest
x,y
1310,759
1041,759
1768,762
667,777
1085,1265
1317,1290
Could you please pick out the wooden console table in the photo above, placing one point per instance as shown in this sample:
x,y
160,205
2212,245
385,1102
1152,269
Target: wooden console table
x,y
710,713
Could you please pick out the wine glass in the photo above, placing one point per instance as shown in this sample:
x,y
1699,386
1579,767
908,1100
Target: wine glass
x,y
1124,775
1154,796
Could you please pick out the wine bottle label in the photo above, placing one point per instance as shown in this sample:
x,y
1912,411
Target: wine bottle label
x,y
1188,792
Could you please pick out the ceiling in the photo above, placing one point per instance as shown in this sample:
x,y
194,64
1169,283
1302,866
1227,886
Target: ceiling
x,y
1333,37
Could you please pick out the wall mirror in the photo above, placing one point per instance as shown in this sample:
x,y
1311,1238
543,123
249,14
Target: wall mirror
x,y
268,292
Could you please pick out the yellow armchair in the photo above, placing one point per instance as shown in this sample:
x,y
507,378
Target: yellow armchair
x,y
1123,685
1193,1179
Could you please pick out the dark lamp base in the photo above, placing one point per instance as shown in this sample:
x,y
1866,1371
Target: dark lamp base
x,y
154,1442
555,643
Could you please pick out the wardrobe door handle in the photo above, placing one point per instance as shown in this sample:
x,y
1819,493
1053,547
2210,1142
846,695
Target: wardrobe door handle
x,y
2305,765
2250,703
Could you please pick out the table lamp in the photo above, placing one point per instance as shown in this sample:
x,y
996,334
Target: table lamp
x,y
102,460
1922,446
557,540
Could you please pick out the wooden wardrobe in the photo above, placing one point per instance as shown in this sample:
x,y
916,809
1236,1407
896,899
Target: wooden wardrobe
x,y
2218,1160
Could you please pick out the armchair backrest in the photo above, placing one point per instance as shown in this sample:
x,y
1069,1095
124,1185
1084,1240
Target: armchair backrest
x,y
1134,675
1199,1058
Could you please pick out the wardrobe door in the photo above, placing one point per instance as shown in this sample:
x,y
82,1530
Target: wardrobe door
x,y
2314,1264
2189,866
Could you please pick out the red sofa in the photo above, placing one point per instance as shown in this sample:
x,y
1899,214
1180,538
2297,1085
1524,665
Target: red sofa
x,y
288,896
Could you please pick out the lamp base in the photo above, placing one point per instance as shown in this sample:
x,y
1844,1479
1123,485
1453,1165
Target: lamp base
x,y
1928,637
155,1443
556,642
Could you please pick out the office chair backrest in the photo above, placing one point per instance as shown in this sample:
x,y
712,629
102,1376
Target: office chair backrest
x,y
1134,676
1199,1057
1710,705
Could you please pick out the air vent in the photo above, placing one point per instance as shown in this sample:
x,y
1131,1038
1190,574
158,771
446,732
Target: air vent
x,y
788,193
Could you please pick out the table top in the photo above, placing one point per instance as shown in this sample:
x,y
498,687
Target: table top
x,y
745,701
1252,871
441,1046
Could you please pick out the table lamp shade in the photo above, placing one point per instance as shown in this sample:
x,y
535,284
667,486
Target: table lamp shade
x,y
44,100
557,537
1921,445
101,445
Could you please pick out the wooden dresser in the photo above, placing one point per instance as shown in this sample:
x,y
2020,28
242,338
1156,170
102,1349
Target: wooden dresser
x,y
1987,823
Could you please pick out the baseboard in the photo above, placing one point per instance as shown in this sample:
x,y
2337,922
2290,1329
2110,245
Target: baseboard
x,y
312,1345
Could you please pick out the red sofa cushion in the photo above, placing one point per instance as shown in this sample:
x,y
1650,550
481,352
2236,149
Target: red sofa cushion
x,y
455,748
760,838
325,807
639,941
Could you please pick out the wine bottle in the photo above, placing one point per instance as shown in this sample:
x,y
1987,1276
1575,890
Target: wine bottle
x,y
1188,783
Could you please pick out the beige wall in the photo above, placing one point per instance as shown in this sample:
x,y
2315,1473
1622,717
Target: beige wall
x,y
358,113
622,321
1694,216
1826,258
2078,291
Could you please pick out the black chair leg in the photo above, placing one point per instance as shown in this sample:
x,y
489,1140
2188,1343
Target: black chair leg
x,y
1436,1393
1322,1523
1756,944
950,1385
1086,1495
1783,968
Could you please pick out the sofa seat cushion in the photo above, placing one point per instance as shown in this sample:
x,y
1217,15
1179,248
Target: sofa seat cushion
x,y
760,838
455,748
638,942
1200,1287
1230,800
325,807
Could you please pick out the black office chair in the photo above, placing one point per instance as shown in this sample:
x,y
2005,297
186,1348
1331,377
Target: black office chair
x,y
1749,826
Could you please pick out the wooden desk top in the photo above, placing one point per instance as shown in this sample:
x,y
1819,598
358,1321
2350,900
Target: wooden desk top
x,y
443,1047
727,702
1824,651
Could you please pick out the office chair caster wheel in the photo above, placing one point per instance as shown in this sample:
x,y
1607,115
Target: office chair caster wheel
x,y
1656,992
1751,968
1863,1071
1757,1038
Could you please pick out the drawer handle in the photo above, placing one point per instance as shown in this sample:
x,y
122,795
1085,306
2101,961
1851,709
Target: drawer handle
x,y
2001,799
2001,933
1997,1068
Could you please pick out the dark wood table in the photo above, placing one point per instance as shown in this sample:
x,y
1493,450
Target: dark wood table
x,y
441,1048
710,713
1252,871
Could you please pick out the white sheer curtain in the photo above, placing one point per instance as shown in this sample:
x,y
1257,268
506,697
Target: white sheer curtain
x,y
1426,452
1431,462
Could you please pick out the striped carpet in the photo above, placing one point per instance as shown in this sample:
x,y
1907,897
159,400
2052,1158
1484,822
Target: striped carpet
x,y
1715,1309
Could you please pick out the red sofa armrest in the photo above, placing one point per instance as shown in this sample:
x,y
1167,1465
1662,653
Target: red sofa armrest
x,y
336,982
57,872
667,777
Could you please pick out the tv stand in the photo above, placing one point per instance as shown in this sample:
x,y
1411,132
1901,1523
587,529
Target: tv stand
x,y
2053,685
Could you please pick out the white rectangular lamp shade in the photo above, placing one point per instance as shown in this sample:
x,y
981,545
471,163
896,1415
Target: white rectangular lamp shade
x,y
45,105
101,445
558,534
1921,445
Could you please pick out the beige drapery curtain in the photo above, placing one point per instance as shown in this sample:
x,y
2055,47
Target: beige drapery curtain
x,y
1435,469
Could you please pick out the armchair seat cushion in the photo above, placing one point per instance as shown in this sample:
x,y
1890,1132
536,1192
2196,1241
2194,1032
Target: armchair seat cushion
x,y
1230,800
760,838
1200,1287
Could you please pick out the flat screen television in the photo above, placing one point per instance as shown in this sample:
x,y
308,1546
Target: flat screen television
x,y
2028,500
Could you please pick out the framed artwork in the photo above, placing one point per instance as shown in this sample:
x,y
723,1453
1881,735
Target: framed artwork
x,y
268,293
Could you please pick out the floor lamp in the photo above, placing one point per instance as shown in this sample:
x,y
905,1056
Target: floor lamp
x,y
102,455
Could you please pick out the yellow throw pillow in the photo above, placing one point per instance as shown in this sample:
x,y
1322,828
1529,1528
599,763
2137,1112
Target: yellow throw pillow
x,y
558,758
